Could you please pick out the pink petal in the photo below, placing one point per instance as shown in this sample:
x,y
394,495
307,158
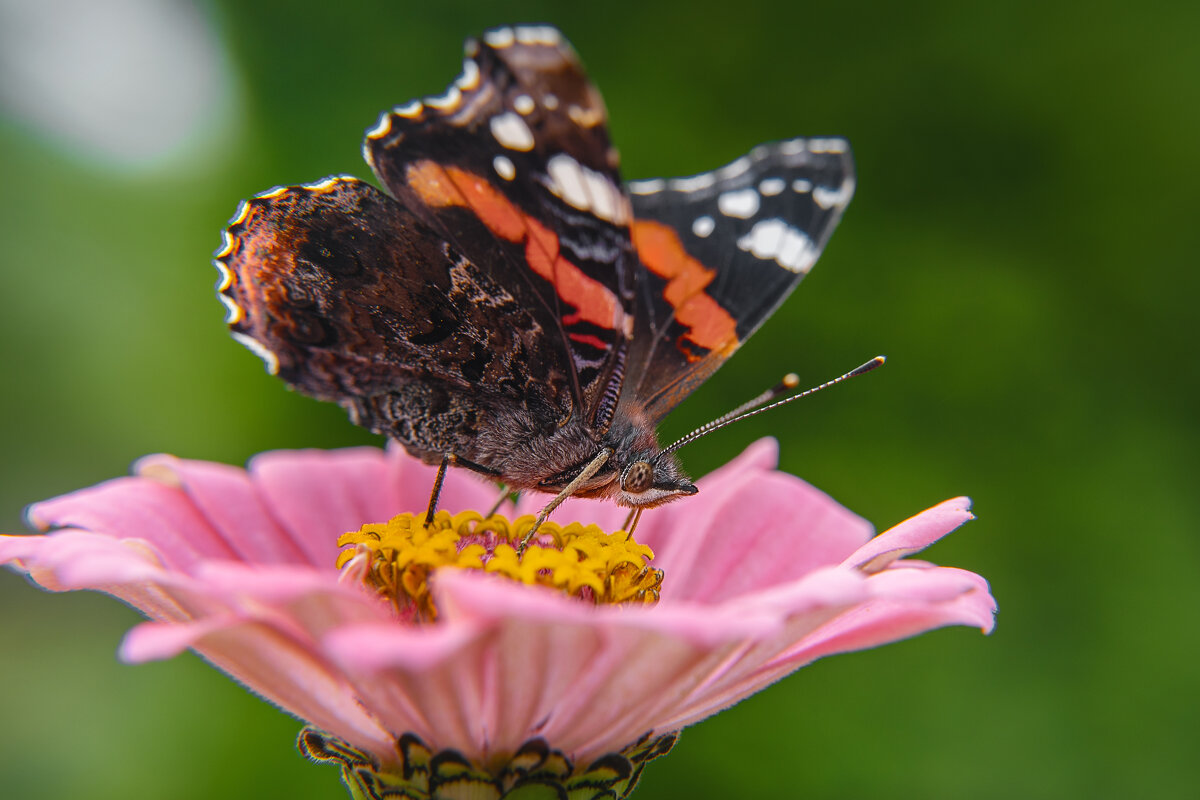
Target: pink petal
x,y
286,671
827,587
319,495
157,641
272,583
500,684
760,529
418,680
584,677
964,600
317,602
71,559
373,647
891,621
923,583
761,455
127,569
141,509
764,574
231,503
487,599
913,535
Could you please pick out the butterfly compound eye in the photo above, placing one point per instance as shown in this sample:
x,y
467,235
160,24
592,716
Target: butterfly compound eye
x,y
638,478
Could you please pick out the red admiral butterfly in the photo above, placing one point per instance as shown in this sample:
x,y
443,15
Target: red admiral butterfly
x,y
507,304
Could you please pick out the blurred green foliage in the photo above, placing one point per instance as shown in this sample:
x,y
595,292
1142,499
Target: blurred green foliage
x,y
1022,246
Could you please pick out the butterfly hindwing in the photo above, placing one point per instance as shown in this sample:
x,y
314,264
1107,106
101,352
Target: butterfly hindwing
x,y
720,251
348,297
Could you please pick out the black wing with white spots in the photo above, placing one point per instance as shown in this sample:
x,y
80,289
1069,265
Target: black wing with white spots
x,y
721,251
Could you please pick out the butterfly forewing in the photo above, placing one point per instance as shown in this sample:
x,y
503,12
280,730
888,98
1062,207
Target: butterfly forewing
x,y
721,251
514,166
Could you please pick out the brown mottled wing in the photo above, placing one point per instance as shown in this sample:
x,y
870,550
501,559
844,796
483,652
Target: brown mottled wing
x,y
721,251
349,297
515,160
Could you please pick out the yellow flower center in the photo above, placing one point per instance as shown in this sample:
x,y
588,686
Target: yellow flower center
x,y
397,557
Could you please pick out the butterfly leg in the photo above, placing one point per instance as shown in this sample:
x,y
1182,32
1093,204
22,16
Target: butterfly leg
x,y
583,477
451,460
631,521
447,460
505,494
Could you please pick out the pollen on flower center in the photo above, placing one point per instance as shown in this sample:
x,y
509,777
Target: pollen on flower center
x,y
397,557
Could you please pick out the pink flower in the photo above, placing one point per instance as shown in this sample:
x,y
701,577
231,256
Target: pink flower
x,y
763,574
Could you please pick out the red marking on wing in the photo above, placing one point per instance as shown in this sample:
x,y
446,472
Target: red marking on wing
x,y
587,338
451,186
709,325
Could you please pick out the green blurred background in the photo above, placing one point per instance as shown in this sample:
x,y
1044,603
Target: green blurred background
x,y
1023,246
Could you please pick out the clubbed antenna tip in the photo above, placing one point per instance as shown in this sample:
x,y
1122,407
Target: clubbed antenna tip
x,y
764,402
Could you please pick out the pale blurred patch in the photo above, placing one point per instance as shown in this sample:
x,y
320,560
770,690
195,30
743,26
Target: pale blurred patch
x,y
124,83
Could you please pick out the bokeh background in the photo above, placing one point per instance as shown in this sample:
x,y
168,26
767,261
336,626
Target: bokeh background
x,y
1023,246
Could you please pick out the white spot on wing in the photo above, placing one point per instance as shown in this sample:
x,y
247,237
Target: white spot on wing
x,y
239,216
647,187
551,101
233,312
792,147
587,189
772,186
796,252
523,104
499,38
827,197
226,249
568,180
538,34
256,347
504,167
449,100
323,185
800,186
827,145
226,276
512,132
735,168
470,76
742,203
694,183
410,109
382,127
703,226
585,117
775,240
602,194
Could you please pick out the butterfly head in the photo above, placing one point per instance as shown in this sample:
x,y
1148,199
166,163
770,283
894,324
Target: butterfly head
x,y
640,479
636,473
649,482
643,476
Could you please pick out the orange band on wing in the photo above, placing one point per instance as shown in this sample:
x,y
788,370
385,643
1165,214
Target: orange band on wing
x,y
441,186
709,325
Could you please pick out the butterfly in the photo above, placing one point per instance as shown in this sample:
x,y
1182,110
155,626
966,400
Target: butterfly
x,y
506,303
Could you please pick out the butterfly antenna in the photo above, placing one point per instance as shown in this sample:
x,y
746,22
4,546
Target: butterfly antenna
x,y
764,403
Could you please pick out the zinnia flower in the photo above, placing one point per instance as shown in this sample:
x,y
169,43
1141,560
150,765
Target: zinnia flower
x,y
434,663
